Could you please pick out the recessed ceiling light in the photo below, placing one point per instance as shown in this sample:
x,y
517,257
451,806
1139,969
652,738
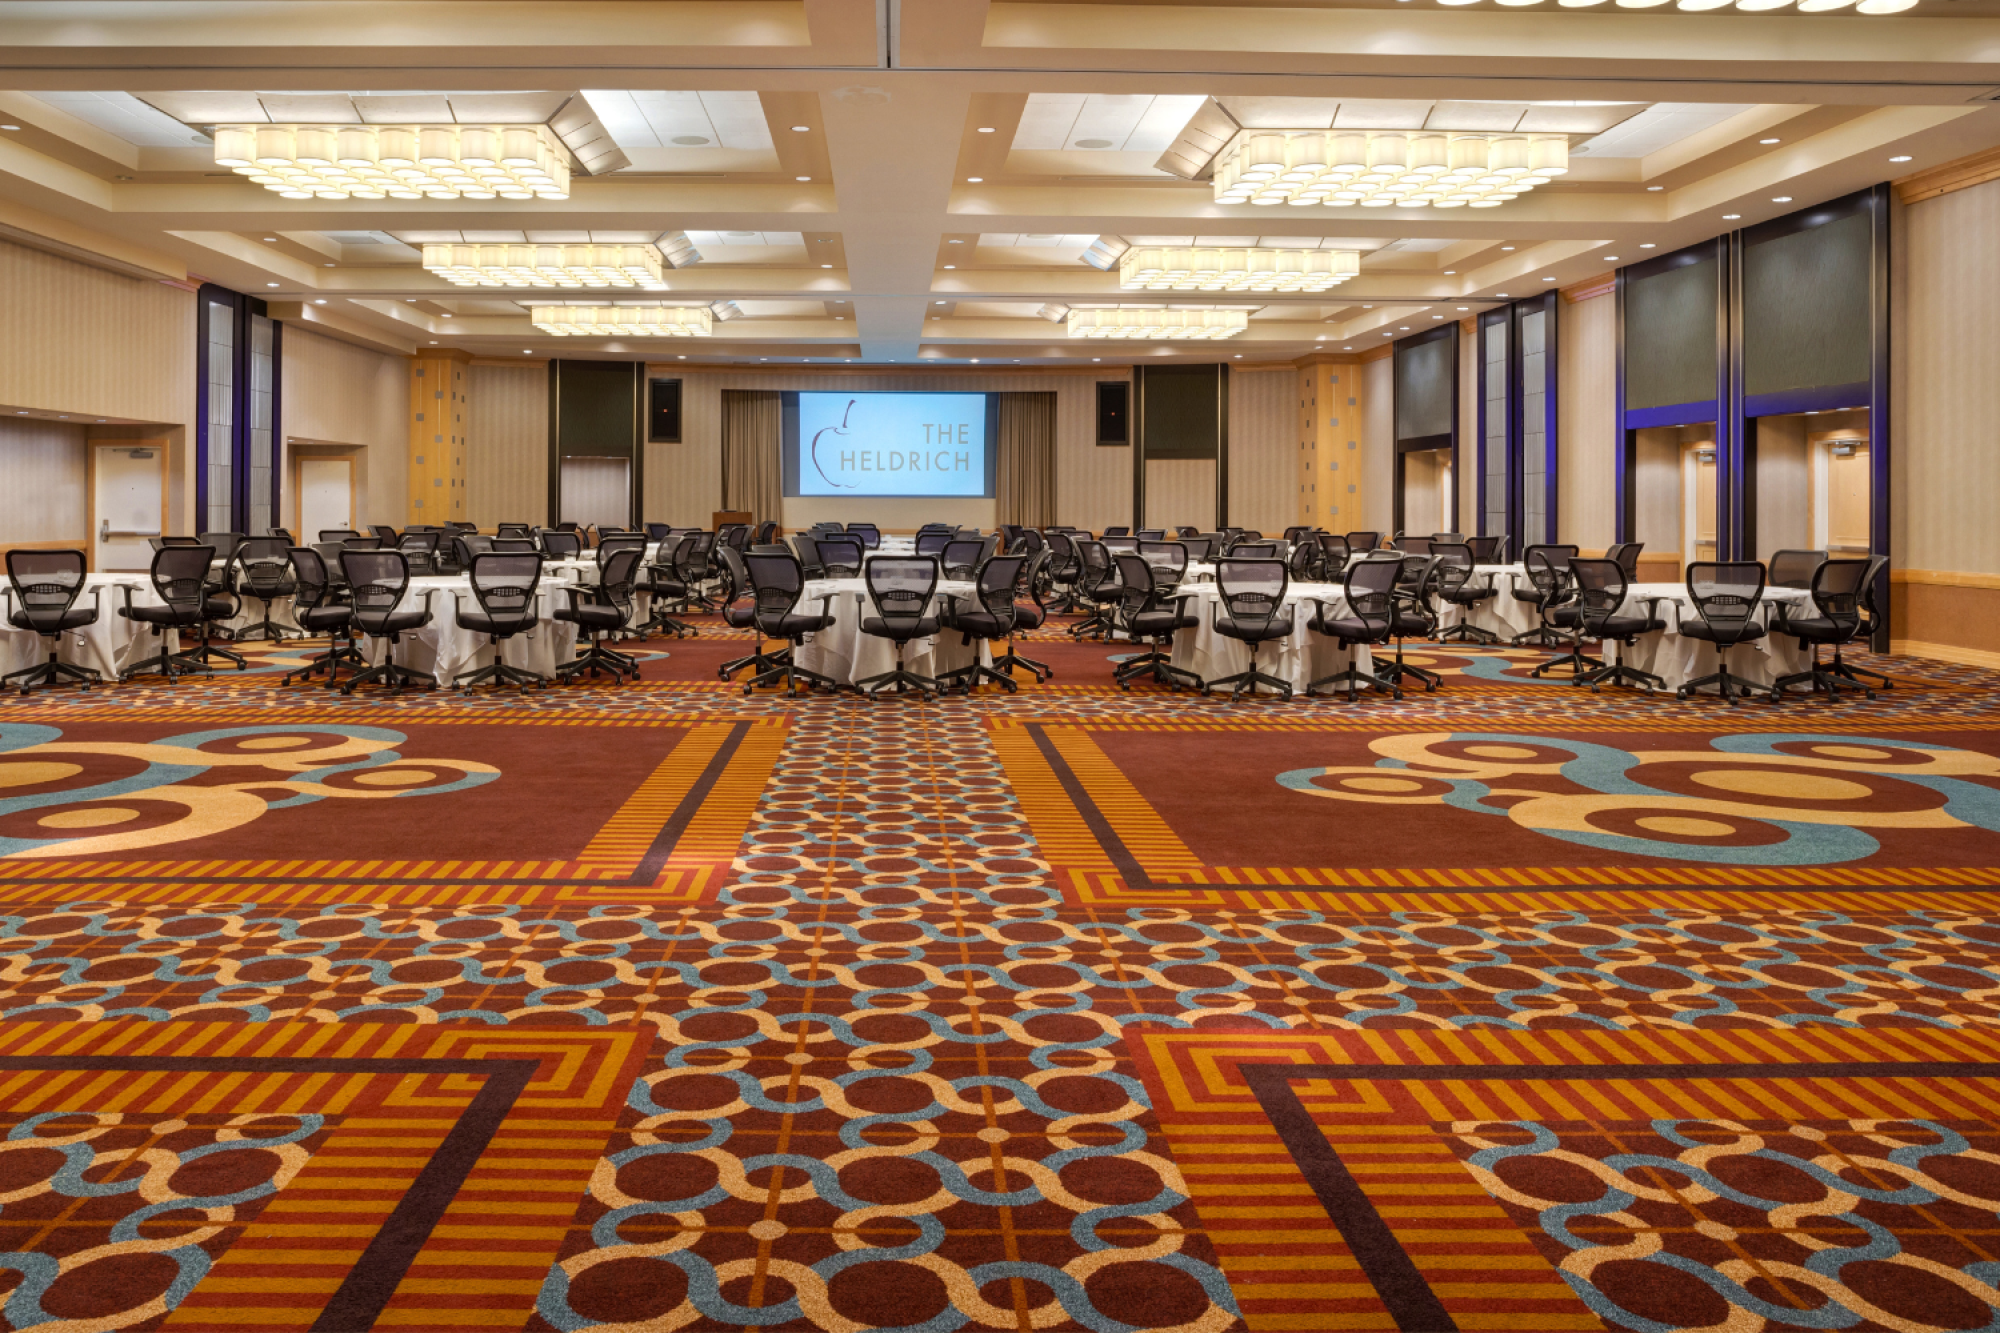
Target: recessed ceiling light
x,y
801,178
447,314
326,266
1781,199
270,284
1731,217
1500,293
681,357
1548,279
954,242
1405,328
1097,358
988,129
1903,158
272,239
1647,245
826,266
1465,307
1611,259
434,342
801,129
1437,316
975,360
1450,272
974,180
1239,356
9,127
319,302
951,266
1767,141
1506,247
527,351
1655,189
1368,307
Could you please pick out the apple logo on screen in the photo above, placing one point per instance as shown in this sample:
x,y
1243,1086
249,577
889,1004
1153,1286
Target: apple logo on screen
x,y
841,429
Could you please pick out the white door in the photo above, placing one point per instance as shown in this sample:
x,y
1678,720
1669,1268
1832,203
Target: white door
x,y
597,491
326,496
130,505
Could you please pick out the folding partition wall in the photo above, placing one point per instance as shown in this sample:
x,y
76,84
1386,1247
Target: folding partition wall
x,y
1753,389
1180,471
1516,355
597,412
1425,386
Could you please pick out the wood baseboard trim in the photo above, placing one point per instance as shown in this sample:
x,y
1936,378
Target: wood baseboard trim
x,y
1945,652
1944,578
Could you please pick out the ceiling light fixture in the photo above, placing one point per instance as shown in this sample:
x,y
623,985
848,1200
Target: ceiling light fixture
x,y
1204,269
661,321
1781,199
801,129
548,265
1451,272
1654,189
975,180
1647,245
1173,325
1731,217
801,178
1768,141
1903,158
986,129
398,161
270,284
319,302
1611,259
9,128
270,240
1341,168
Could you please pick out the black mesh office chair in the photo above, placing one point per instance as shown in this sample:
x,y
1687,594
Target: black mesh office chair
x,y
1253,550
1187,530
739,611
1334,554
870,535
1870,583
1151,612
504,587
1545,586
1837,590
1122,531
525,530
1488,550
1726,594
1360,542
1061,571
1413,545
561,545
282,534
766,533
1251,609
1458,585
1627,556
960,557
1560,614
319,609
419,552
1198,547
1413,616
900,588
337,534
46,585
1602,589
1793,569
1446,538
377,581
990,614
1030,612
669,590
692,559
385,532
264,571
1096,588
840,557
1152,534
180,580
1367,616
777,587
933,543
601,612
1305,562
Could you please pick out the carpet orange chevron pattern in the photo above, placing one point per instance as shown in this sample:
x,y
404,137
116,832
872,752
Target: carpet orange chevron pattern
x,y
660,1007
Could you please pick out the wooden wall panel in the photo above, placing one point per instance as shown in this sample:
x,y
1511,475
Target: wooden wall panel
x,y
440,401
81,340
1264,448
43,499
507,445
1587,421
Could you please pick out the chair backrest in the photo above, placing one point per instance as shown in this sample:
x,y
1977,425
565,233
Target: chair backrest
x,y
512,545
1869,583
960,556
1725,593
1454,564
385,532
1124,531
1252,589
265,564
1363,541
504,584
1627,556
378,580
361,543
180,577
1488,550
46,583
996,582
735,574
1794,569
325,534
329,556
1601,586
1371,593
933,542
561,545
1334,554
841,556
1168,560
611,546
807,547
225,543
870,535
282,534
1838,588
1548,568
1095,572
1152,534
1449,538
309,572
658,531
413,543
1255,550
1198,548
1116,542
1140,580
1187,530
1032,541
1304,562
618,573
900,587
1414,545
522,529
774,582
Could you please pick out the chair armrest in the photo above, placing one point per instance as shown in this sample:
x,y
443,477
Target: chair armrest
x,y
126,610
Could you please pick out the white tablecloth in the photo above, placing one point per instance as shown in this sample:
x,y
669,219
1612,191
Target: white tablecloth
x,y
1666,653
1301,658
109,647
847,655
446,649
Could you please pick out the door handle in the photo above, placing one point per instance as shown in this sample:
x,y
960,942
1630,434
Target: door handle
x,y
105,532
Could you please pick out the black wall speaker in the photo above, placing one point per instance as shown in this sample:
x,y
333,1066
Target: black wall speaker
x,y
663,411
1114,412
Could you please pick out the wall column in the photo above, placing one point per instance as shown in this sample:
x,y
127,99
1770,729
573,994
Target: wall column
x,y
1330,403
440,403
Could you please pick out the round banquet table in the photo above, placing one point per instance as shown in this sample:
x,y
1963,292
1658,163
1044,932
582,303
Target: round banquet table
x,y
446,649
1301,657
844,653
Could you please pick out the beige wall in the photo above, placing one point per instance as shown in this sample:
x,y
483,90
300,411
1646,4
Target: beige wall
x,y
43,499
1466,483
507,449
1264,448
1587,421
1378,447
82,340
337,393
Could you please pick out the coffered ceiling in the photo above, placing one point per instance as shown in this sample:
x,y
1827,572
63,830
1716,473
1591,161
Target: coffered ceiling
x,y
939,180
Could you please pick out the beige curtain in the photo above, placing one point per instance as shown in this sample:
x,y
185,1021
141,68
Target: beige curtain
x,y
1024,483
752,464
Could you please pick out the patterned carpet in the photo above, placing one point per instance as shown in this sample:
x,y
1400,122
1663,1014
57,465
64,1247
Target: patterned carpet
x,y
660,1007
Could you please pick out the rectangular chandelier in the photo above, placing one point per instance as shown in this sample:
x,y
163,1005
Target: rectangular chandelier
x,y
398,161
1179,325
1385,169
662,321
1180,268
576,266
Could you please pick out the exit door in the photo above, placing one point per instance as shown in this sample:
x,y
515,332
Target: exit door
x,y
129,498
326,496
